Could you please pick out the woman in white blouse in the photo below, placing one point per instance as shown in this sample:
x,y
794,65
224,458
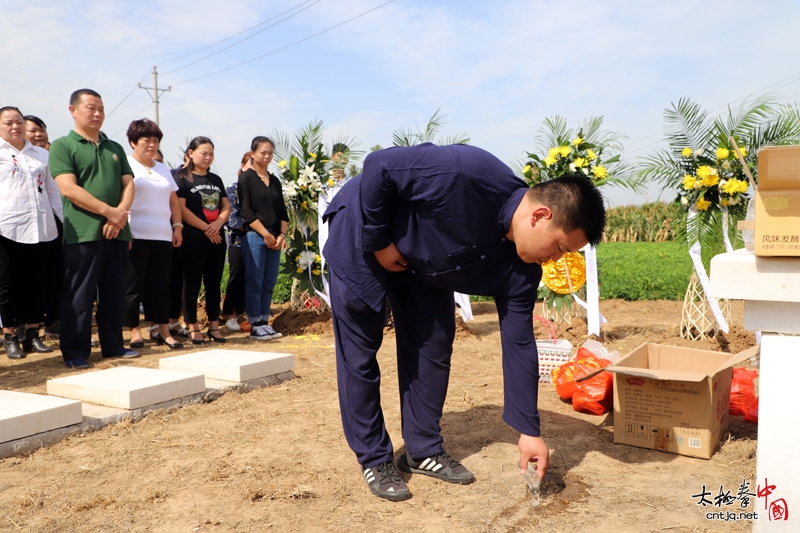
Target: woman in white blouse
x,y
156,227
29,203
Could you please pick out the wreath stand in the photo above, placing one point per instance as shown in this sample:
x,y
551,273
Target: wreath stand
x,y
697,320
300,300
567,312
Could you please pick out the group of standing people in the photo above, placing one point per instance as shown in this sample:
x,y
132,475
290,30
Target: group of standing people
x,y
84,223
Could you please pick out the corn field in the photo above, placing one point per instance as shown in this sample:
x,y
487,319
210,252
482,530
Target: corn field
x,y
654,222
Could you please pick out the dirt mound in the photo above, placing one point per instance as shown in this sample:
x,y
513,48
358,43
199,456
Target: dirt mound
x,y
305,322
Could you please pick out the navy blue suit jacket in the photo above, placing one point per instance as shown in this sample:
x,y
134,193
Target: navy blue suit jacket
x,y
448,209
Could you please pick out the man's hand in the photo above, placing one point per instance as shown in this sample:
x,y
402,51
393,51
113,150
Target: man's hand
x,y
117,217
280,243
391,259
533,449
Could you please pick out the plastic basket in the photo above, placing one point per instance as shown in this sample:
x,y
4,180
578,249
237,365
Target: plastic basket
x,y
552,353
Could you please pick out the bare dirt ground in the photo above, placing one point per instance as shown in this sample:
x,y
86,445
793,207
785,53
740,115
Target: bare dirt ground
x,y
275,459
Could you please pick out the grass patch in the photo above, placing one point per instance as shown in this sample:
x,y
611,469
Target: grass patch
x,y
643,270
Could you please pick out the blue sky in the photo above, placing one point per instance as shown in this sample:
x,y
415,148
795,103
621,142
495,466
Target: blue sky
x,y
496,69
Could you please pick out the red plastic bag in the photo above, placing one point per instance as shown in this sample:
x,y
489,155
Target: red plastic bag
x,y
743,391
752,413
593,396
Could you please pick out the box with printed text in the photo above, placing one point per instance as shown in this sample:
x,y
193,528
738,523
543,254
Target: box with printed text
x,y
777,212
673,399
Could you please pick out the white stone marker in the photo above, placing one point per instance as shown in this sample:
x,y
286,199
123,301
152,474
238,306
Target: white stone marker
x,y
237,366
770,287
23,414
127,387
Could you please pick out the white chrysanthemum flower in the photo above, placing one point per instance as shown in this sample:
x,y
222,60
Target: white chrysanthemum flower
x,y
305,259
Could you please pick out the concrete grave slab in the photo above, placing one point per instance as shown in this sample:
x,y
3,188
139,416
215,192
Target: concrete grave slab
x,y
235,366
127,387
23,414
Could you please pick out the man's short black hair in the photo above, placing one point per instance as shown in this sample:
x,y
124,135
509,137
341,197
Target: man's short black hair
x,y
36,120
76,96
576,204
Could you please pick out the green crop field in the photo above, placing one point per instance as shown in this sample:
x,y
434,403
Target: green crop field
x,y
643,270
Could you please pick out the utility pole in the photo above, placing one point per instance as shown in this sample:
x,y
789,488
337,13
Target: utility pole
x,y
156,92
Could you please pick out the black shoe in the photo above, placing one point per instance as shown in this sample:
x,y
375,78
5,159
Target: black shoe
x,y
138,344
216,339
33,343
124,353
179,331
160,341
195,341
384,482
13,349
440,466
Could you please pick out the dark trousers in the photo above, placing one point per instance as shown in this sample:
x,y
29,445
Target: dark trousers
x,y
234,292
147,280
176,285
424,347
22,272
92,269
54,277
203,263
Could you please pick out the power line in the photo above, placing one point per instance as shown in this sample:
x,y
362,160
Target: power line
x,y
287,46
126,96
234,35
241,40
137,115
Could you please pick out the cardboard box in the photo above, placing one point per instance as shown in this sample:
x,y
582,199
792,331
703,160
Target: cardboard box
x,y
673,399
777,215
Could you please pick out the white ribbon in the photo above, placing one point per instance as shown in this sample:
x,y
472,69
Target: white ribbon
x,y
593,315
725,237
463,302
694,253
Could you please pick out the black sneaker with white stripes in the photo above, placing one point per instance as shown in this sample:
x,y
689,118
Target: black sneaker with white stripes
x,y
440,466
384,482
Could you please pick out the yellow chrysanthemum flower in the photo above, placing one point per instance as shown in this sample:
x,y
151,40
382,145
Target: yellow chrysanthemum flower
x,y
331,183
732,187
702,204
564,151
309,243
299,269
743,151
723,153
686,152
317,258
592,156
723,202
553,152
580,162
316,272
600,172
312,155
576,141
282,163
689,182
710,180
550,160
526,169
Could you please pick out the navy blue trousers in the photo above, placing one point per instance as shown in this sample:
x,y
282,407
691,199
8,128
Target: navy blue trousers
x,y
424,348
92,270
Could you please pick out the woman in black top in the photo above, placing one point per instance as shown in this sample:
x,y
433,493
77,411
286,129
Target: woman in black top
x,y
205,209
263,210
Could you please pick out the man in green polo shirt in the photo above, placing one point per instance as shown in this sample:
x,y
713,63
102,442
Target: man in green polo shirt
x,y
96,185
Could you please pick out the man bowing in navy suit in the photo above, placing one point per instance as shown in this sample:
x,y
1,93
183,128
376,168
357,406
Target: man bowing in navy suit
x,y
419,223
